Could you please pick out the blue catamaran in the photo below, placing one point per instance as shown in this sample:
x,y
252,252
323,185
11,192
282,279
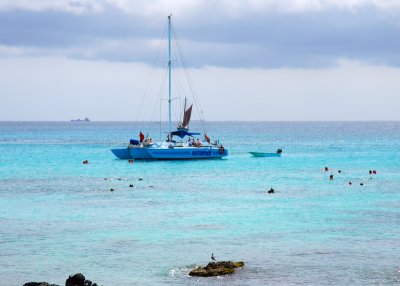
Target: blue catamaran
x,y
181,143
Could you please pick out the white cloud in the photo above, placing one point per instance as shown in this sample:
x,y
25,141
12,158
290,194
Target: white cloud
x,y
385,5
188,7
71,6
7,51
156,7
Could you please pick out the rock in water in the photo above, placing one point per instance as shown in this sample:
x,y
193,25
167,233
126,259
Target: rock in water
x,y
39,284
216,269
75,280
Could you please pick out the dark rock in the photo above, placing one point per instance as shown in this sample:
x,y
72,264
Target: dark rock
x,y
39,284
216,269
75,280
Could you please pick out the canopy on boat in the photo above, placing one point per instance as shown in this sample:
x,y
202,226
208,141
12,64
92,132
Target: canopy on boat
x,y
182,133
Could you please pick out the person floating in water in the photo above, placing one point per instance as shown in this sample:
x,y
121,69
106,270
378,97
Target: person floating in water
x,y
212,257
141,137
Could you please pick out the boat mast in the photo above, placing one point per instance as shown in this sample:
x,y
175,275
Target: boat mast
x,y
169,77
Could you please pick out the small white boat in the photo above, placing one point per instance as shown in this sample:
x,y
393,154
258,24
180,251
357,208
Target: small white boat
x,y
262,154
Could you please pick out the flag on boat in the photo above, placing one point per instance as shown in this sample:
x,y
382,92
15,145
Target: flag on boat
x,y
207,138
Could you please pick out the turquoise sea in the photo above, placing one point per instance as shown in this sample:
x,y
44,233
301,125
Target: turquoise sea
x,y
58,217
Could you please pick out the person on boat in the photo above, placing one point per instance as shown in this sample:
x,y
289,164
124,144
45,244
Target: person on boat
x,y
198,143
141,137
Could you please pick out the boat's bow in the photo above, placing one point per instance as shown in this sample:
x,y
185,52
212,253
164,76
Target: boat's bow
x,y
122,153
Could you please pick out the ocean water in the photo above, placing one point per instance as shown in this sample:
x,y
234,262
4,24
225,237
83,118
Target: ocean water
x,y
58,217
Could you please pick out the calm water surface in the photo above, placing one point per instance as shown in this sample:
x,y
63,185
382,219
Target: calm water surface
x,y
57,216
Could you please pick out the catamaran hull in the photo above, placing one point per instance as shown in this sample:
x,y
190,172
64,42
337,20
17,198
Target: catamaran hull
x,y
169,154
122,153
186,153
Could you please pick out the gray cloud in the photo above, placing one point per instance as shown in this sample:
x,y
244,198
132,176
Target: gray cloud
x,y
209,37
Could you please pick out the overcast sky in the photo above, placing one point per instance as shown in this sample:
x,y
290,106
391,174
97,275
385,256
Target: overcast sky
x,y
249,60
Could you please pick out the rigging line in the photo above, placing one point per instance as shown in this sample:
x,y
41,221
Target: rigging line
x,y
178,92
178,87
158,99
158,77
151,75
191,85
160,121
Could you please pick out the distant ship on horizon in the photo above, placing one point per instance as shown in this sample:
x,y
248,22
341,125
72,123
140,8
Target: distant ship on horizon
x,y
86,119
